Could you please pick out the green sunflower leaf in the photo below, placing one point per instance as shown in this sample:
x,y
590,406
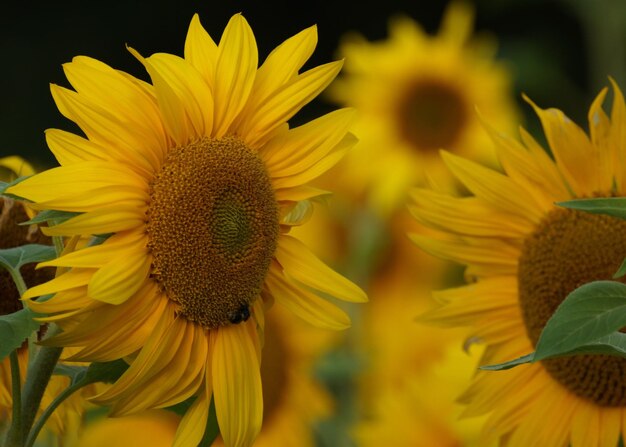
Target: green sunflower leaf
x,y
107,372
14,258
15,328
587,322
528,358
612,206
51,215
591,312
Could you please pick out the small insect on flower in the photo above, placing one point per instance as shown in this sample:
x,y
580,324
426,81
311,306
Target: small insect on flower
x,y
240,315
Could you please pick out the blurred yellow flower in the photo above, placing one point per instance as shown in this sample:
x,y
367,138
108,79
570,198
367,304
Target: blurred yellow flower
x,y
197,179
154,428
413,375
524,255
416,94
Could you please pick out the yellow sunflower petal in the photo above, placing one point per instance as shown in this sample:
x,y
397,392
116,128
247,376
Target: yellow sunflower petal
x,y
586,426
305,304
499,256
192,426
497,189
301,147
287,101
237,61
94,80
184,97
201,50
175,384
283,64
122,330
118,280
318,168
98,255
237,385
447,212
103,127
301,192
69,280
100,221
299,263
576,157
610,427
155,355
69,148
89,175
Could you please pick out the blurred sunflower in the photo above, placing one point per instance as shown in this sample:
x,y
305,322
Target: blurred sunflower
x,y
294,400
524,255
415,94
154,428
65,421
197,178
413,374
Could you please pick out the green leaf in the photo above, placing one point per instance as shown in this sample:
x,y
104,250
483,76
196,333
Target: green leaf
x,y
51,215
107,372
592,311
528,358
14,258
3,186
612,206
15,328
614,344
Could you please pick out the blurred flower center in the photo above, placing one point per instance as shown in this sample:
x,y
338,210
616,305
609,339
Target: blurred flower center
x,y
568,249
274,374
212,225
12,234
432,115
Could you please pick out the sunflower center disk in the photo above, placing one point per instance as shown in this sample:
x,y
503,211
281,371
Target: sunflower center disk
x,y
432,115
13,235
212,226
570,248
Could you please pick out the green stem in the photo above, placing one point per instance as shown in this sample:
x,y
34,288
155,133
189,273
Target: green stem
x,y
58,244
18,280
67,392
37,378
15,435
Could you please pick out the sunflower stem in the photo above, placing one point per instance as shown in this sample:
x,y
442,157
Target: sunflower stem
x,y
37,378
15,435
67,392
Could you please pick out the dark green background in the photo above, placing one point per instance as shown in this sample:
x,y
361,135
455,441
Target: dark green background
x,y
560,51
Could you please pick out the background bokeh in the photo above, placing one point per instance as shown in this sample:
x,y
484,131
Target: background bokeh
x,y
560,51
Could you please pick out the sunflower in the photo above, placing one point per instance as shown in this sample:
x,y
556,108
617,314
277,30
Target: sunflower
x,y
524,255
415,94
196,179
155,428
12,234
407,390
